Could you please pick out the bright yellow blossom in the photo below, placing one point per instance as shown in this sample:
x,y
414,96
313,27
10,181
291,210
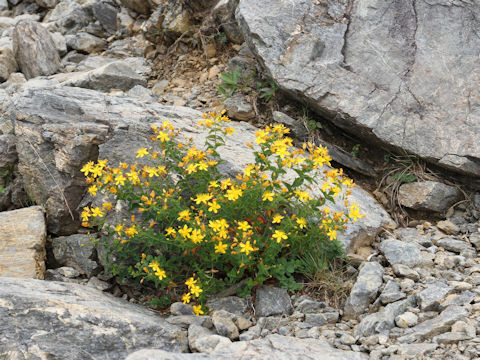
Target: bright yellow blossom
x,y
142,152
267,195
186,298
277,219
302,223
220,248
197,309
246,248
243,225
279,235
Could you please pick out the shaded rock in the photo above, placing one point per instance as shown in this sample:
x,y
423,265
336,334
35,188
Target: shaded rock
x,y
8,151
451,338
69,16
305,304
8,64
232,304
85,42
34,49
239,108
272,347
436,326
454,245
114,75
224,12
463,299
55,318
391,293
365,289
22,243
98,284
76,251
407,319
404,271
141,92
178,308
430,298
412,235
186,320
428,195
322,318
106,14
448,227
399,104
272,301
224,325
168,22
399,252
294,125
417,350
203,340
383,320
140,6
68,272
475,239
50,4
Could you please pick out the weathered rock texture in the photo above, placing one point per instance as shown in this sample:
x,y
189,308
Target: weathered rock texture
x,y
403,72
66,127
44,319
273,347
34,49
22,243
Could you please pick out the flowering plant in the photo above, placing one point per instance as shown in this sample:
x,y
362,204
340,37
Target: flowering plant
x,y
197,231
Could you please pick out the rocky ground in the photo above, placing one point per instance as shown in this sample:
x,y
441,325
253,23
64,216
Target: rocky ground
x,y
84,80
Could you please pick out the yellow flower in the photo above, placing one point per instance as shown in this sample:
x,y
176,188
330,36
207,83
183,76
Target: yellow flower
x,y
302,223
107,205
119,228
186,298
220,248
302,195
243,225
163,136
277,219
354,213
213,184
332,233
120,180
202,166
229,130
279,235
85,214
248,170
184,215
93,190
197,309
154,265
87,168
202,198
196,236
190,282
185,231
131,231
267,195
247,248
234,193
142,152
213,206
170,231
161,274
195,290
97,212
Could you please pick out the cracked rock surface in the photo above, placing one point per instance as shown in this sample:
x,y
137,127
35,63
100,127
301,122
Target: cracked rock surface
x,y
405,73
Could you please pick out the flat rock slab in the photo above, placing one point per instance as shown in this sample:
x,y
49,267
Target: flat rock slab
x,y
399,252
68,126
273,347
22,243
404,73
47,319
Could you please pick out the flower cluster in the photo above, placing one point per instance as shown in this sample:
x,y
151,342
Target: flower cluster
x,y
188,221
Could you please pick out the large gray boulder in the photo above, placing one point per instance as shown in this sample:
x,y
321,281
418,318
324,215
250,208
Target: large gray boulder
x,y
273,347
405,73
66,127
34,49
47,319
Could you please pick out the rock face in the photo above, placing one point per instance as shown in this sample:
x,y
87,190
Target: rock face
x,y
403,73
22,243
75,251
428,195
34,49
365,289
68,126
273,347
61,321
399,252
272,301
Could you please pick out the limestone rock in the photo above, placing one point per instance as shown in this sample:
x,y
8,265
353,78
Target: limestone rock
x,y
428,195
239,108
63,320
407,319
399,252
365,289
224,324
430,298
322,318
203,340
34,49
76,251
391,293
224,12
374,69
22,243
454,245
85,42
401,270
273,347
69,126
232,304
436,326
50,4
8,151
69,16
272,301
114,75
179,308
140,6
8,64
